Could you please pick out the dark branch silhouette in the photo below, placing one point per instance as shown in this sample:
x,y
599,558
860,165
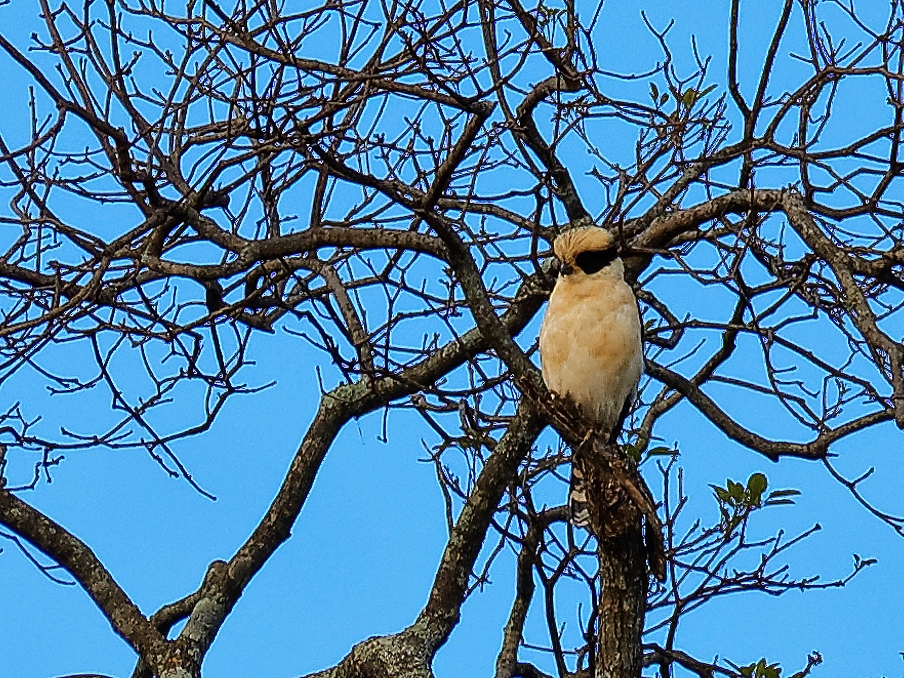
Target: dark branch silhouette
x,y
384,181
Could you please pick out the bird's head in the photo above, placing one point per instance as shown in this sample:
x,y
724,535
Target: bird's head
x,y
587,251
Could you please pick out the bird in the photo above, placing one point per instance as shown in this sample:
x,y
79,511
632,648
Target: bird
x,y
591,349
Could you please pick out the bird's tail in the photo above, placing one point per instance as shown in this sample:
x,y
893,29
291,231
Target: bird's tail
x,y
620,493
577,499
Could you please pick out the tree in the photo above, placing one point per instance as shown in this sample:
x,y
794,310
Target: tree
x,y
384,181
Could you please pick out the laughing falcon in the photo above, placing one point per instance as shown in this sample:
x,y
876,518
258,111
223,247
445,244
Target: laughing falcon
x,y
590,344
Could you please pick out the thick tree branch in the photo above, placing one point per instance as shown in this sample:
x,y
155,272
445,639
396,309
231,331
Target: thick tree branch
x,y
81,562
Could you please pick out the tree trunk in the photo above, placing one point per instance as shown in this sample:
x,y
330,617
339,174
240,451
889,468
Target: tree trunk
x,y
611,492
623,600
178,672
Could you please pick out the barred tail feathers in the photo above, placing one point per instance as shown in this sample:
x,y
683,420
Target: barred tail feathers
x,y
577,499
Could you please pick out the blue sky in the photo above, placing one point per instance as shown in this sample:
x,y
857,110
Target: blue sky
x,y
365,548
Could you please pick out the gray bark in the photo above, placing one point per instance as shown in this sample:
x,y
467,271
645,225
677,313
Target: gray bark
x,y
622,605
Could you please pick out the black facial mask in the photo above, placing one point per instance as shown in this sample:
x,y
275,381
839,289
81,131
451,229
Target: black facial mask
x,y
595,260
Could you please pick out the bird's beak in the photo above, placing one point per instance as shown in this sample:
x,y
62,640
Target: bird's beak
x,y
566,269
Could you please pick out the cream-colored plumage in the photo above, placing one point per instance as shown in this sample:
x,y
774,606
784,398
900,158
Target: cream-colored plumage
x,y
591,351
590,346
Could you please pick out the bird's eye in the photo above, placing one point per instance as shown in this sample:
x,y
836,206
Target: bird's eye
x,y
595,260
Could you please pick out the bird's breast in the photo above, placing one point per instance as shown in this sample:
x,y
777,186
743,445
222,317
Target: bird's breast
x,y
590,346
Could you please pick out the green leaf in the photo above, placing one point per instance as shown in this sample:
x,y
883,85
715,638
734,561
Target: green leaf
x,y
654,92
760,670
631,451
689,97
783,493
777,497
756,485
721,493
736,491
663,98
662,452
